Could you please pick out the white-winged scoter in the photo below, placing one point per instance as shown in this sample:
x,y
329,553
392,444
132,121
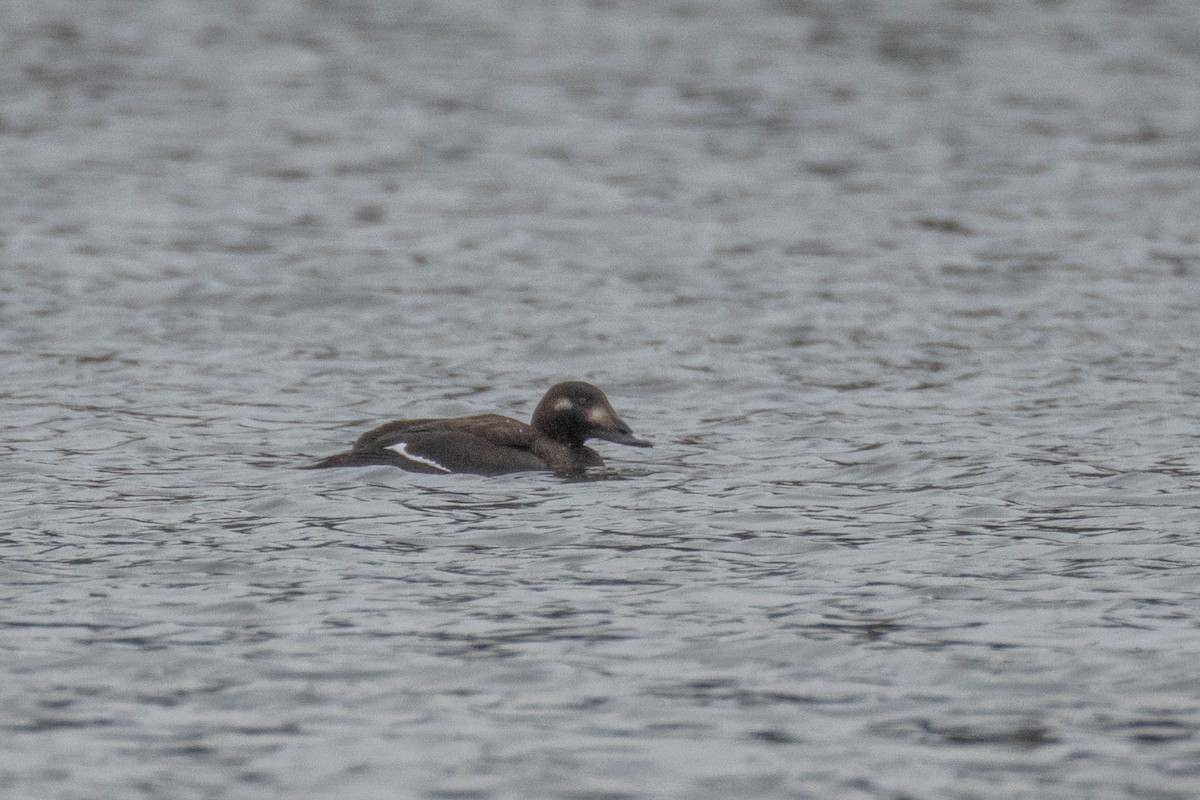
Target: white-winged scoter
x,y
569,414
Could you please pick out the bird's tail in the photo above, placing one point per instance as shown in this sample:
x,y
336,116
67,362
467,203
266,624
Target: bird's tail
x,y
346,459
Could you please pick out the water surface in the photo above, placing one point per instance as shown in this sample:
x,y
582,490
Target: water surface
x,y
907,295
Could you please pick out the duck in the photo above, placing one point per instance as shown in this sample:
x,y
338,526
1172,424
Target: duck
x,y
568,415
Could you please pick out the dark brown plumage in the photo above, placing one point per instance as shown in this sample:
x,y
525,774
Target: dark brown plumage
x,y
569,414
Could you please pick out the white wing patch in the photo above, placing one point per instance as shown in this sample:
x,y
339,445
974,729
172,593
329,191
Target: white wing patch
x,y
402,449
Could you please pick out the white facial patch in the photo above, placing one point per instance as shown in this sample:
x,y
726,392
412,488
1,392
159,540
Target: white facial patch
x,y
599,416
402,449
563,403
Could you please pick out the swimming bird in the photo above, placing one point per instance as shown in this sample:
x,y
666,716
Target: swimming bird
x,y
568,414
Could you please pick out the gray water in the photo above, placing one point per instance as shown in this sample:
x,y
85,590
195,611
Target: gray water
x,y
906,293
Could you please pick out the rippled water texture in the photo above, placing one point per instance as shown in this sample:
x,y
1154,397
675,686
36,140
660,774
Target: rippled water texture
x,y
907,295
